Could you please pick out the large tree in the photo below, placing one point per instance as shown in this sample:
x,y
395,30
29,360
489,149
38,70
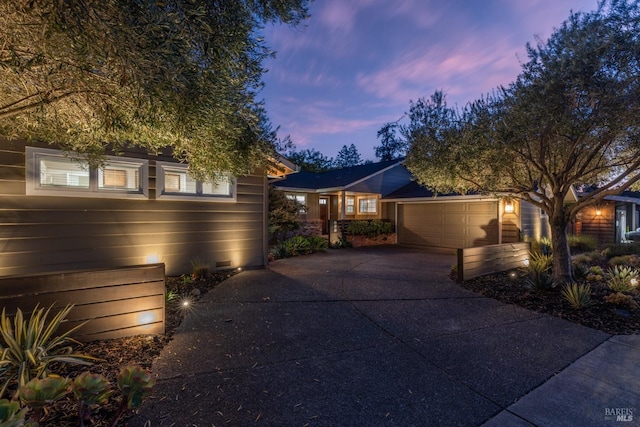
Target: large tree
x,y
90,74
310,160
571,117
391,145
347,157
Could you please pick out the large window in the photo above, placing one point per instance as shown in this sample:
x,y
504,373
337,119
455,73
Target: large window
x,y
368,205
51,173
174,182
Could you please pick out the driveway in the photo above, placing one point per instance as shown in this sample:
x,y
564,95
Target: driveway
x,y
361,337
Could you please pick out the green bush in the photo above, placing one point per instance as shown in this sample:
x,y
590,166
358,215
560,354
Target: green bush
x,y
577,295
298,245
582,243
542,246
317,243
622,249
369,228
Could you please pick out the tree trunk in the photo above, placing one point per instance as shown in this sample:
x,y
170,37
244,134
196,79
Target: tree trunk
x,y
562,267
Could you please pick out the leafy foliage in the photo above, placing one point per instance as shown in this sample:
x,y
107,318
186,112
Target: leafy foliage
x,y
578,295
29,347
582,243
91,74
283,215
347,157
298,245
569,118
622,249
370,228
135,383
10,414
621,300
539,271
311,160
392,146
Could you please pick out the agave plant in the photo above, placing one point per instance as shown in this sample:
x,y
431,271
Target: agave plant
x,y
622,279
28,347
577,295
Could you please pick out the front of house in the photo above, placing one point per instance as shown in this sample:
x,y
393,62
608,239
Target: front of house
x,y
387,191
58,214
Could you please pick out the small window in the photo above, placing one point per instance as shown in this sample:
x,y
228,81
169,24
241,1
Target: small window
x,y
51,173
351,205
174,182
369,206
301,199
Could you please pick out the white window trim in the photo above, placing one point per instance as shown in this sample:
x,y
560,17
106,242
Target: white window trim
x,y
295,196
161,194
34,188
351,211
368,198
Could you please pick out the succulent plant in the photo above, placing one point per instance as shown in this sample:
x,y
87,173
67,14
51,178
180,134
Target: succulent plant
x,y
135,383
10,413
90,389
41,391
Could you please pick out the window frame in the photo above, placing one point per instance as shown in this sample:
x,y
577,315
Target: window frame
x,y
34,187
368,199
350,208
161,194
295,196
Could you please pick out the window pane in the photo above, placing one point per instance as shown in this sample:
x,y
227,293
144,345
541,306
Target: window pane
x,y
351,201
176,181
368,205
219,188
119,177
61,172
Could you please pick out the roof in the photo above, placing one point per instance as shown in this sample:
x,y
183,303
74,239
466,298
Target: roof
x,y
336,179
626,197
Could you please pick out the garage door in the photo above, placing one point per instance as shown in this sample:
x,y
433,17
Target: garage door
x,y
448,225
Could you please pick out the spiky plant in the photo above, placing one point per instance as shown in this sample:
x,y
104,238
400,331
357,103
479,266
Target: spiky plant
x,y
578,295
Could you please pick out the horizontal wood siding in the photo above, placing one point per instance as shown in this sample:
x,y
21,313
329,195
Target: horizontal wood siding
x,y
114,302
601,226
474,262
535,224
44,233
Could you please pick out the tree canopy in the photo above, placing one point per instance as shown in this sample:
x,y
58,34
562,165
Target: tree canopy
x,y
391,145
571,117
94,74
310,160
347,157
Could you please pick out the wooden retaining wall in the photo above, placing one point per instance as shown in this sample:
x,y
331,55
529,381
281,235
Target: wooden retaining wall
x,y
478,261
117,302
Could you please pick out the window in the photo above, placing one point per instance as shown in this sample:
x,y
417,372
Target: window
x,y
368,205
51,173
174,182
351,205
301,199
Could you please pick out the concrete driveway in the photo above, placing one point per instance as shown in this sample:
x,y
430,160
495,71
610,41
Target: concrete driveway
x,y
365,337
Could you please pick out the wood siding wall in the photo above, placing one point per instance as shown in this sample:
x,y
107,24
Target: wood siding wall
x,y
118,302
601,226
533,224
474,262
45,233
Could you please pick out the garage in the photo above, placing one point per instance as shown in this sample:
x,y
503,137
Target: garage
x,y
459,224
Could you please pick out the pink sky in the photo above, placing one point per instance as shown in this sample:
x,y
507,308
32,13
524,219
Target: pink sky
x,y
356,64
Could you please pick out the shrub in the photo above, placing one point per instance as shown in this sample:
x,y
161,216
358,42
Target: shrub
x,y
30,346
298,245
578,296
540,262
317,243
621,300
582,243
622,249
369,228
620,260
622,279
596,269
542,246
580,270
539,271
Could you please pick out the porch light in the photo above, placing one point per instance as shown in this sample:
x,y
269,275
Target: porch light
x,y
509,207
598,212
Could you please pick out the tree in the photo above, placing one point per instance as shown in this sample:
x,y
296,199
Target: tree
x,y
571,117
347,157
391,145
90,75
283,215
310,160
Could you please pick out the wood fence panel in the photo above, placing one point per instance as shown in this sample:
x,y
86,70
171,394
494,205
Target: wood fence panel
x,y
478,261
116,302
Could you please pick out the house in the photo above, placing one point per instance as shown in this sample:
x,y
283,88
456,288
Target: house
x,y
387,191
57,214
611,220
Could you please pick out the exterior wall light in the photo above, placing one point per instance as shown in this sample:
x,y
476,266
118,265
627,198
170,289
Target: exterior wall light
x,y
509,207
598,212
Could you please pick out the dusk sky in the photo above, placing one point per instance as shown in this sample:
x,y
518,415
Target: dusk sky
x,y
356,64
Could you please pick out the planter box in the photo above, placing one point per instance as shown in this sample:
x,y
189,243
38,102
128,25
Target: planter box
x,y
382,239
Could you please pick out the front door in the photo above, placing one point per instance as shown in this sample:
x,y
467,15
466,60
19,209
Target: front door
x,y
324,214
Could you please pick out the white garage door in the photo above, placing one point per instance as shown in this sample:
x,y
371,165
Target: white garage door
x,y
448,225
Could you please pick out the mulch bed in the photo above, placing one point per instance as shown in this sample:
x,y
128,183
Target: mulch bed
x,y
137,350
509,287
